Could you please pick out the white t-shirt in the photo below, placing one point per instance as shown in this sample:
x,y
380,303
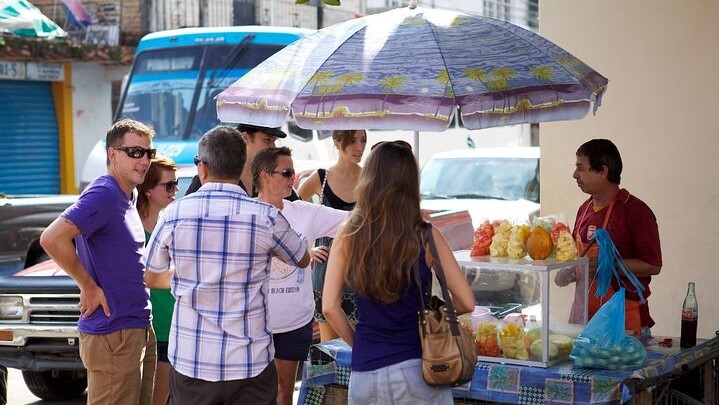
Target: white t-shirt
x,y
292,303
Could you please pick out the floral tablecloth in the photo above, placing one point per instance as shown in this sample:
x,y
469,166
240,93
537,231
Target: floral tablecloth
x,y
329,363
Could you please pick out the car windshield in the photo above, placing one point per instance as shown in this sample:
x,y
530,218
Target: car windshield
x,y
481,177
183,183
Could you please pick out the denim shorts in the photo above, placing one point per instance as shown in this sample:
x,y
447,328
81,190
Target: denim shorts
x,y
400,383
294,344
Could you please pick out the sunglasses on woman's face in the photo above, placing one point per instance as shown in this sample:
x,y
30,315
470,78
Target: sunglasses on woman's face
x,y
170,185
401,144
137,152
287,173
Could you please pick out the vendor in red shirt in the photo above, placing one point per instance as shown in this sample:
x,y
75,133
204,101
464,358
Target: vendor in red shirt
x,y
631,225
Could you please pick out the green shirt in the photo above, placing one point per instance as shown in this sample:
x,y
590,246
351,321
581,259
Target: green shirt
x,y
163,303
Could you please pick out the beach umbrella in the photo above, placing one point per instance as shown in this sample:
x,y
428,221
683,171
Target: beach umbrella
x,y
21,18
412,69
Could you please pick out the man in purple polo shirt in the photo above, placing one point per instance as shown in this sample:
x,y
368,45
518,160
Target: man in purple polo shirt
x,y
117,344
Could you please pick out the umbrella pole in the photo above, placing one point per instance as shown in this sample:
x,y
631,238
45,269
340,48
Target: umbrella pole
x,y
416,144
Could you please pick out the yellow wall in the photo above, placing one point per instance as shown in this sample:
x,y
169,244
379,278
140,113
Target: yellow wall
x,y
62,95
662,61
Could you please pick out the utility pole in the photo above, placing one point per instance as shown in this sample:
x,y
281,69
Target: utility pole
x,y
320,14
203,6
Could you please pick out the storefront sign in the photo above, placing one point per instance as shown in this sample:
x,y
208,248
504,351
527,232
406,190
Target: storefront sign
x,y
12,70
47,72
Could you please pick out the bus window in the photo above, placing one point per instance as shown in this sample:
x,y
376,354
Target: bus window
x,y
175,77
224,65
206,114
161,89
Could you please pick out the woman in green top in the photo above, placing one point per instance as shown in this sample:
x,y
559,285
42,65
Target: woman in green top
x,y
156,193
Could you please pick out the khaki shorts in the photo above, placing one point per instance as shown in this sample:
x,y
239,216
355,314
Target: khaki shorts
x,y
120,366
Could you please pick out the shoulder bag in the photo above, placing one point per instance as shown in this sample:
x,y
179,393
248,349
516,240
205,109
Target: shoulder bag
x,y
448,350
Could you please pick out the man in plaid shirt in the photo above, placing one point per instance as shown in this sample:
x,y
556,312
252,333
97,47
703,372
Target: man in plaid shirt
x,y
220,242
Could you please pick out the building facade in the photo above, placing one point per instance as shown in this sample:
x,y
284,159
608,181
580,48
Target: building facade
x,y
661,59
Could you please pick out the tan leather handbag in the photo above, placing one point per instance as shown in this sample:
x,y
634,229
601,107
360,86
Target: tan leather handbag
x,y
448,350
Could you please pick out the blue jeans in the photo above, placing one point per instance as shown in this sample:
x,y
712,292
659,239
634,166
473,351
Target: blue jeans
x,y
400,383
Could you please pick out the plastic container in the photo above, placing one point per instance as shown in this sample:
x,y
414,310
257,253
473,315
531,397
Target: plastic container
x,y
479,315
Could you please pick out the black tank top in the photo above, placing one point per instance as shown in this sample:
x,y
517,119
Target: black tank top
x,y
329,198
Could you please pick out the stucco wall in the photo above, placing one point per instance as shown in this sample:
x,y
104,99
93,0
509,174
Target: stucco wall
x,y
661,58
92,110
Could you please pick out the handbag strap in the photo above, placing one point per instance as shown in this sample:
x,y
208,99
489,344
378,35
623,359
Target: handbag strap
x,y
450,313
416,273
324,184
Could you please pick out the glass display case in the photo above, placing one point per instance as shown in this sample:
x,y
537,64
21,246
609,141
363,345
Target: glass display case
x,y
513,321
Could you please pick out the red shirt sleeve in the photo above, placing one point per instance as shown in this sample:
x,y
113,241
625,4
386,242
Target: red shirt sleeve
x,y
644,231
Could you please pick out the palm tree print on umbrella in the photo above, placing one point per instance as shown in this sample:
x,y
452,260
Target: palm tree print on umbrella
x,y
344,80
391,84
280,75
320,78
443,78
327,90
476,74
502,77
544,74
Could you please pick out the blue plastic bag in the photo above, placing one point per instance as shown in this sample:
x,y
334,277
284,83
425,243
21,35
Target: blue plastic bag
x,y
603,342
610,265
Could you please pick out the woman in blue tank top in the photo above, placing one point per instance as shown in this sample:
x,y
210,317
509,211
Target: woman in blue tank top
x,y
376,253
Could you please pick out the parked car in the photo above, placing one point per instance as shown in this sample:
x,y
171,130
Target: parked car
x,y
22,220
38,331
184,179
490,183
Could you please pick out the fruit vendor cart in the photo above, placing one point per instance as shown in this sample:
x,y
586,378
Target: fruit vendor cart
x,y
670,376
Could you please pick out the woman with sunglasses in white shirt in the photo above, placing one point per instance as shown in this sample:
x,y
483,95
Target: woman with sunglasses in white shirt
x,y
291,302
153,195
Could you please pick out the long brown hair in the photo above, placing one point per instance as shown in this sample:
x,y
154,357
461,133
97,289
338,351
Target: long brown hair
x,y
381,232
152,178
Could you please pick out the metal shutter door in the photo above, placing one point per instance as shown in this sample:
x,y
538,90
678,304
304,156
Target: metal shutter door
x,y
28,139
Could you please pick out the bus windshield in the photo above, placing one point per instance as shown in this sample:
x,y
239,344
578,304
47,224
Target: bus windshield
x,y
173,90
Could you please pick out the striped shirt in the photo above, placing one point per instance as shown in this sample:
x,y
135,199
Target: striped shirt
x,y
220,243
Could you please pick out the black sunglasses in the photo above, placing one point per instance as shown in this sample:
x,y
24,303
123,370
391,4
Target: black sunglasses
x,y
170,185
136,152
197,160
287,173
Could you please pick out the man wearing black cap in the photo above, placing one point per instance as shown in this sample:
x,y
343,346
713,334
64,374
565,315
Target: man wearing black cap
x,y
256,138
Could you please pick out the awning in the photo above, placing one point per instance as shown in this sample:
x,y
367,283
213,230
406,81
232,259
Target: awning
x,y
19,17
